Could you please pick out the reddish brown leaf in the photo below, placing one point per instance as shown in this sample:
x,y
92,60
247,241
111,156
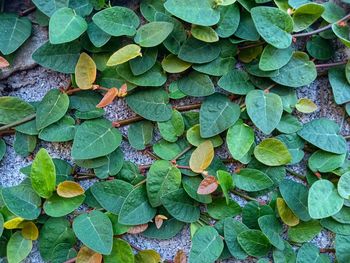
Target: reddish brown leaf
x,y
3,63
137,229
158,220
207,186
123,91
108,98
180,257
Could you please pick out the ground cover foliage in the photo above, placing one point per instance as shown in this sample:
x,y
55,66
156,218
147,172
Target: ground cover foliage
x,y
244,59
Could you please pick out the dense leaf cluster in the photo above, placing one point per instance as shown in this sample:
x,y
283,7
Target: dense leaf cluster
x,y
242,61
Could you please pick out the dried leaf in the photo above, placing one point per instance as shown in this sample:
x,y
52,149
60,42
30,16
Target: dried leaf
x,y
85,72
86,255
108,98
30,231
123,91
180,257
137,229
158,220
69,189
208,185
3,63
202,157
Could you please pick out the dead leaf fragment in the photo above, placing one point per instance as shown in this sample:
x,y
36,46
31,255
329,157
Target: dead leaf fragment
x,y
108,98
137,229
208,185
159,219
3,63
180,257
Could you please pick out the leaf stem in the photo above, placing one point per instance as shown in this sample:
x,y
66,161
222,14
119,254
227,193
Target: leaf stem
x,y
320,29
330,65
246,197
7,132
346,137
182,153
72,260
27,11
298,175
16,123
251,45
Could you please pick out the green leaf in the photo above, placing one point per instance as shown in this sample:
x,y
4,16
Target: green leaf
x,y
343,186
97,36
94,229
13,109
22,200
272,229
43,174
304,231
295,146
121,252
229,20
232,228
14,31
173,128
66,26
246,29
220,209
217,114
60,131
289,124
272,152
342,246
124,54
323,133
264,109
117,21
305,15
52,108
343,216
24,144
193,11
149,8
226,182
57,206
274,25
239,139
193,137
218,67
142,64
153,34
181,206
162,178
236,81
140,134
169,150
324,200
204,33
335,227
95,138
340,85
251,180
320,48
325,162
136,209
284,256
207,245
111,194
191,184
55,231
195,51
296,197
254,243
18,248
299,71
152,104
48,7
2,149
196,84
81,7
310,253
172,64
168,230
154,77
274,58
332,12
342,32
61,58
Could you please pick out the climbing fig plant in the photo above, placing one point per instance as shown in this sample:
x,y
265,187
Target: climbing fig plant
x,y
213,87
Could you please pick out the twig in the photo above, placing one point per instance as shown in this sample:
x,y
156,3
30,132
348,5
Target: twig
x,y
346,137
247,197
320,29
327,250
72,260
333,64
251,45
16,123
300,176
182,153
7,132
27,11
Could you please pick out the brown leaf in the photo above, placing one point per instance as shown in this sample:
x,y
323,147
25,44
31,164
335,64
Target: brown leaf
x,y
3,63
208,185
123,91
158,220
108,98
137,229
180,257
86,255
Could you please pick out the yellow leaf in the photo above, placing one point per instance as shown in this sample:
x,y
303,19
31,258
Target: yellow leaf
x,y
69,189
124,54
305,105
202,157
285,213
249,54
172,64
86,255
14,223
204,33
30,230
148,255
85,72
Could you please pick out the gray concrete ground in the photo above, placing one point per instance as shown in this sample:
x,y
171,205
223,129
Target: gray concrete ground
x,y
30,82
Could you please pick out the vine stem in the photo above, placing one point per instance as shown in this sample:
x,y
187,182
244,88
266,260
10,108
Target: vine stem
x,y
321,29
16,123
246,197
347,137
72,260
333,64
301,177
137,118
27,11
